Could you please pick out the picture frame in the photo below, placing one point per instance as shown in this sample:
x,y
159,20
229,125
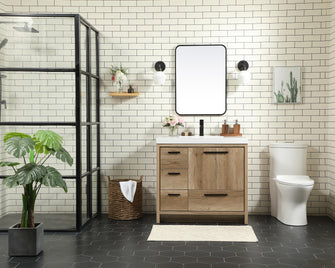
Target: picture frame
x,y
287,88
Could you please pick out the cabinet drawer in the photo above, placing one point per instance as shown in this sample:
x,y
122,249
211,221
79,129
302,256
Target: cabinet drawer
x,y
174,179
174,200
216,200
173,157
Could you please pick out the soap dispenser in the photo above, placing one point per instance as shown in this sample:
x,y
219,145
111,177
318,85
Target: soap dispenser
x,y
236,129
225,127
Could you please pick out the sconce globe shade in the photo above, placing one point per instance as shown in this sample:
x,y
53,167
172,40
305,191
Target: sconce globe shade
x,y
244,77
159,78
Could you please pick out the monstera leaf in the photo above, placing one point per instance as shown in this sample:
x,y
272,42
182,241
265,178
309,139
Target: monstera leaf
x,y
30,172
8,164
53,179
11,181
18,146
47,140
15,134
26,175
63,155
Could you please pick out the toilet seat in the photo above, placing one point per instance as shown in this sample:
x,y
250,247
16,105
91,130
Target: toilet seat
x,y
294,180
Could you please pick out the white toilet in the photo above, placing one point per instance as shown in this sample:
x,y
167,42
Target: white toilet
x,y
289,185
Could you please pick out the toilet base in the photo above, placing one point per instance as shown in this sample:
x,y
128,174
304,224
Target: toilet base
x,y
288,203
297,217
291,224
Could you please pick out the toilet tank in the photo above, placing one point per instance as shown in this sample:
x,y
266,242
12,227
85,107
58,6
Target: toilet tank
x,y
287,159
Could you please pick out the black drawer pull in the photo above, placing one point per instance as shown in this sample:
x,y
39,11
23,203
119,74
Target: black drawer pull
x,y
173,194
214,152
174,173
215,194
173,152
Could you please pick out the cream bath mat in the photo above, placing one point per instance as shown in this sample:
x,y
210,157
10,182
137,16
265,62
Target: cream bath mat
x,y
223,233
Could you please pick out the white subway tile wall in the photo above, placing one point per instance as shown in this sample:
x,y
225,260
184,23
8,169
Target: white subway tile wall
x,y
266,33
330,113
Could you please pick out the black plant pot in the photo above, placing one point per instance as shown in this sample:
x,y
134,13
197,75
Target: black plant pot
x,y
25,241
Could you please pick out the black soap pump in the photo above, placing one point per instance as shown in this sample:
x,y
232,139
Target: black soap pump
x,y
201,130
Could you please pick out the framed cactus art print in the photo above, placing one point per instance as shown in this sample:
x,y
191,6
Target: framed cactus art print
x,y
287,85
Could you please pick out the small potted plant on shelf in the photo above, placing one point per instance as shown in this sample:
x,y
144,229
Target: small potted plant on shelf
x,y
26,238
119,76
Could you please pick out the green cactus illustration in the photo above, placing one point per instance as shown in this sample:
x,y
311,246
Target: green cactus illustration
x,y
293,88
280,95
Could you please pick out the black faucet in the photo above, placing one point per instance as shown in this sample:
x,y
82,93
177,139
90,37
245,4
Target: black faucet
x,y
201,130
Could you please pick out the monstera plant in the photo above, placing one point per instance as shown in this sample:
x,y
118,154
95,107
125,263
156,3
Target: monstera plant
x,y
33,172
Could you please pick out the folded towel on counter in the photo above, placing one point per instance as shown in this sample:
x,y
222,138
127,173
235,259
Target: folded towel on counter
x,y
128,189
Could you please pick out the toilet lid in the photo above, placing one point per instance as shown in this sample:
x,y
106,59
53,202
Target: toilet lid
x,y
295,180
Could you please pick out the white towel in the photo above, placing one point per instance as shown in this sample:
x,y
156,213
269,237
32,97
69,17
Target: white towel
x,y
128,189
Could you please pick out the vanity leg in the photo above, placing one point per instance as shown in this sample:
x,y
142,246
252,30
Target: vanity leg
x,y
158,220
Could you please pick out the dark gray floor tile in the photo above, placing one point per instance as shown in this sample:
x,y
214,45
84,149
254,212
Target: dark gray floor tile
x,y
169,265
122,244
184,259
197,265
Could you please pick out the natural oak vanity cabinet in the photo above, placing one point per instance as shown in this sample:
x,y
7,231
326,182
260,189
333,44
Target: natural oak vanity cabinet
x,y
202,179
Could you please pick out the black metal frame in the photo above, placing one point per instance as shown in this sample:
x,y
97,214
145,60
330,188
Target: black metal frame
x,y
78,124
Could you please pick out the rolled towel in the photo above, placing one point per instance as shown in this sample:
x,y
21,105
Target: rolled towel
x,y
128,189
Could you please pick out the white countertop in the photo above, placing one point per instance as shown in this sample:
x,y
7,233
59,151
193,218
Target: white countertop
x,y
201,140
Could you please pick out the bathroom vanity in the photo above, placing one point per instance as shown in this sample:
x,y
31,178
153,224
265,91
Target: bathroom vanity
x,y
204,176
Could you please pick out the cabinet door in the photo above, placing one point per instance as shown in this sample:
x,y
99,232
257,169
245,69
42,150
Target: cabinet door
x,y
216,168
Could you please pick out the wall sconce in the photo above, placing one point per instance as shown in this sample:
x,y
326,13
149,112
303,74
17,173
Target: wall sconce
x,y
244,75
159,76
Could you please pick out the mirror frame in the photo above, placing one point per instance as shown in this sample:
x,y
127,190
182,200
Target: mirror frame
x,y
201,66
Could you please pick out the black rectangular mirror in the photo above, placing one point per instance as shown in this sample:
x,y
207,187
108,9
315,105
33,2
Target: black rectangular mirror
x,y
201,72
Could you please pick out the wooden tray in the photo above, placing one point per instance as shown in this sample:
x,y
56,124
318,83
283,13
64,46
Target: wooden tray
x,y
231,134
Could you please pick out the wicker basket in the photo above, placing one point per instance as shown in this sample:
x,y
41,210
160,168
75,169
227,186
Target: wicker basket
x,y
119,207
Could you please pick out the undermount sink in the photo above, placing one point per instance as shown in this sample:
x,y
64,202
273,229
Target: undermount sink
x,y
201,140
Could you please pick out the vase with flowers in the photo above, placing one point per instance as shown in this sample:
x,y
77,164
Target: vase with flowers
x,y
119,76
173,122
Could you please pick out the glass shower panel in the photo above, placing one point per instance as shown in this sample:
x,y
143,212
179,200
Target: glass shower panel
x,y
93,53
69,143
83,53
83,98
83,150
37,42
37,97
84,214
54,207
93,100
94,193
38,83
94,146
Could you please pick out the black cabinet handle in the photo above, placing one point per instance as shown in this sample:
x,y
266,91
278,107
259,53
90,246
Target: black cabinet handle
x,y
173,152
174,173
216,152
173,194
215,194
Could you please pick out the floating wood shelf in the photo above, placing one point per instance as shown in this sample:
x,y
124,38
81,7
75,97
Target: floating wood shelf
x,y
124,94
